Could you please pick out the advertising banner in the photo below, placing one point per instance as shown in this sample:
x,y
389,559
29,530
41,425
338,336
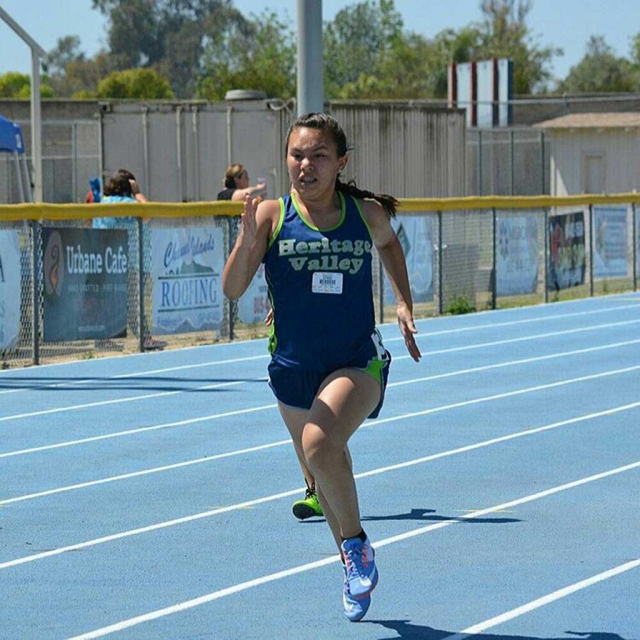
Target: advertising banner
x,y
610,241
567,255
518,255
10,298
186,265
416,237
254,305
85,284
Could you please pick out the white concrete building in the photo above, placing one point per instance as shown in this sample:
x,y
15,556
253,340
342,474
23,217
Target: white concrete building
x,y
594,153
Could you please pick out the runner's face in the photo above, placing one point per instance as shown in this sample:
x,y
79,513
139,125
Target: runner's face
x,y
312,160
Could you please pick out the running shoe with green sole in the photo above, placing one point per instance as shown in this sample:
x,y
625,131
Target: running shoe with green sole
x,y
307,508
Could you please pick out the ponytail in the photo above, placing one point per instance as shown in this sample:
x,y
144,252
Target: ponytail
x,y
389,203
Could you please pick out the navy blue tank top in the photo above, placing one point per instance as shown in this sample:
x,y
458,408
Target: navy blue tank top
x,y
320,288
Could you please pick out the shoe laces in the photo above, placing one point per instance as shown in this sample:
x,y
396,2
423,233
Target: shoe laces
x,y
356,561
309,494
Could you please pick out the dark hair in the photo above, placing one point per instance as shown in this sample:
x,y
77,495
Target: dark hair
x,y
119,184
330,125
233,171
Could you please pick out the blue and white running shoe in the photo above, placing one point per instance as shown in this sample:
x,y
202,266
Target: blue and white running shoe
x,y
354,609
362,574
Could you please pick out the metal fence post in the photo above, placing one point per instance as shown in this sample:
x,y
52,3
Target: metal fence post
x,y
591,250
440,263
494,259
141,315
512,162
634,235
546,255
35,298
232,303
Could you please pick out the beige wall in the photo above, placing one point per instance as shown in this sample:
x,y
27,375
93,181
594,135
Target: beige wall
x,y
574,159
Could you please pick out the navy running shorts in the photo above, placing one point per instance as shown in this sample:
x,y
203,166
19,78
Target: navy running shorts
x,y
298,387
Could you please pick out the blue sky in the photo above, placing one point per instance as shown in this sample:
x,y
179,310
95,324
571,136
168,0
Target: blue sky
x,y
564,23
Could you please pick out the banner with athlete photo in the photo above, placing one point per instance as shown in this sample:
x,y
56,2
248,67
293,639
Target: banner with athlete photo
x,y
567,256
85,284
518,255
416,237
10,297
610,241
186,265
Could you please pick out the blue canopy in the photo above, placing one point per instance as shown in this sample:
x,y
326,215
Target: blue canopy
x,y
10,137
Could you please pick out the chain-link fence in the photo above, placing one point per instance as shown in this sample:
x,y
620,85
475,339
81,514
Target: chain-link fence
x,y
169,292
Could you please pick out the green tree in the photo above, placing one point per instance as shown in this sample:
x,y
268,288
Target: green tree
x,y
600,71
263,58
168,35
355,42
18,85
145,84
71,73
504,34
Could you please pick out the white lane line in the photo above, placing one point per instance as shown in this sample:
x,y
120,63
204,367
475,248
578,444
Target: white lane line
x,y
272,406
137,374
119,434
102,403
387,340
219,385
243,586
510,323
538,336
419,321
278,496
544,600
271,445
500,365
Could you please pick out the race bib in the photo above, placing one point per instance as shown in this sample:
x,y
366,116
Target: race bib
x,y
326,282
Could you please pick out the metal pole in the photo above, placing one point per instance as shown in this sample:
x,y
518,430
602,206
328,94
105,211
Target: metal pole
x,y
494,279
591,248
36,126
480,176
35,289
19,176
634,235
310,87
74,161
141,314
542,163
179,154
440,261
37,52
546,255
512,161
196,151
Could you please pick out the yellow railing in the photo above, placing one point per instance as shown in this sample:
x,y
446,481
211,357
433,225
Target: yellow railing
x,y
44,211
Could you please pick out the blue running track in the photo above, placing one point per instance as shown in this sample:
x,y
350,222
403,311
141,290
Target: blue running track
x,y
149,496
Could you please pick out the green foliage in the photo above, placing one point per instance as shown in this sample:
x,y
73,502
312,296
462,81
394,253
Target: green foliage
x,y
504,34
18,85
169,35
600,70
356,40
263,58
206,47
460,306
145,84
